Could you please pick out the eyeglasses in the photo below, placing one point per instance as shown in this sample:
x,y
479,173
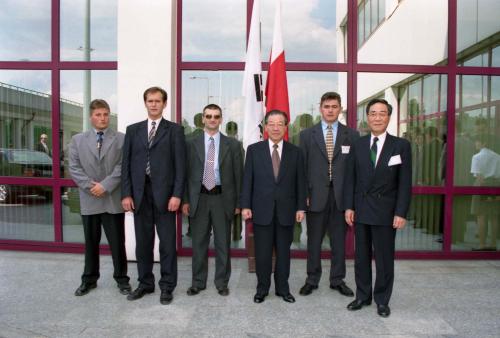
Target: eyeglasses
x,y
209,117
380,114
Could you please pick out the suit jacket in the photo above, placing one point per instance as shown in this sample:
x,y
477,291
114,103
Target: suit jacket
x,y
263,194
312,143
378,194
167,162
86,164
230,170
40,147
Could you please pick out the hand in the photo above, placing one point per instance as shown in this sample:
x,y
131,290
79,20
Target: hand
x,y
307,202
349,217
399,222
173,204
246,213
299,216
97,189
128,204
185,209
237,211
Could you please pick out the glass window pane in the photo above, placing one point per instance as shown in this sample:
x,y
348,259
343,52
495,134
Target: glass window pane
x,y
26,212
99,19
411,34
25,30
78,88
25,123
214,30
475,223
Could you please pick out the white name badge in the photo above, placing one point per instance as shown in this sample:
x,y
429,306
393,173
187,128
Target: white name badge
x,y
346,149
396,159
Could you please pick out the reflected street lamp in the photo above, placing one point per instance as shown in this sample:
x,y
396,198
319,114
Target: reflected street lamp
x,y
208,84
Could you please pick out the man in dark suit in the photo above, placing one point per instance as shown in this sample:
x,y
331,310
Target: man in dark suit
x,y
95,159
214,172
152,186
43,146
326,146
377,198
274,198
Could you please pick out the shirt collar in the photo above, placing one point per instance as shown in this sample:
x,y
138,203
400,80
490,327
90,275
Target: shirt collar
x,y
324,124
381,137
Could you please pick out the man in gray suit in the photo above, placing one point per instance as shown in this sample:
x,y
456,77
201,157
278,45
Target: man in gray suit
x,y
214,171
95,166
325,147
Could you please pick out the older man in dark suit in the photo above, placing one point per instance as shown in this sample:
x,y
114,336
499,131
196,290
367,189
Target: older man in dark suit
x,y
377,198
274,198
326,146
154,163
214,169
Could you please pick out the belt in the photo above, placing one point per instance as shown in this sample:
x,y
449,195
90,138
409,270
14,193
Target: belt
x,y
217,190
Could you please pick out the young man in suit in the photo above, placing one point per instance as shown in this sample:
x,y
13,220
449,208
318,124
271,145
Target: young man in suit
x,y
326,146
95,165
154,156
274,198
377,198
214,174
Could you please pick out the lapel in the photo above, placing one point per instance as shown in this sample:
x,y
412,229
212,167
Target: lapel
x,y
143,132
285,155
160,132
267,163
339,141
317,132
109,138
199,146
223,148
385,153
91,140
365,154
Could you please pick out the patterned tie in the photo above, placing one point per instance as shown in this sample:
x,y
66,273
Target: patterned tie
x,y
209,172
329,149
276,161
151,137
373,151
99,141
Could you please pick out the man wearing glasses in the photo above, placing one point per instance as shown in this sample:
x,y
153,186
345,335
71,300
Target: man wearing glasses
x,y
214,174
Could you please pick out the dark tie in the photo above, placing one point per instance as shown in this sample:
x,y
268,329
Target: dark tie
x,y
209,172
151,137
99,141
329,149
373,151
276,161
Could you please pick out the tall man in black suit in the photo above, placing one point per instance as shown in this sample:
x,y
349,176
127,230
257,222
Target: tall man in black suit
x,y
377,198
326,146
274,197
153,174
214,171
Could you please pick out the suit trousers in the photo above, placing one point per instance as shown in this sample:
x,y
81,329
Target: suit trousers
x,y
331,219
210,214
267,236
382,238
145,220
114,228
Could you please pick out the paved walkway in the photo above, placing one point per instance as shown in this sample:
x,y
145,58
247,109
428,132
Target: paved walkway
x,y
431,299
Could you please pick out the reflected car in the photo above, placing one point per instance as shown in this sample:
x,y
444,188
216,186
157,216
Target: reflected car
x,y
24,163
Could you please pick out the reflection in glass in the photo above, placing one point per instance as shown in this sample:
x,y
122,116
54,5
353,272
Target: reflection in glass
x,y
78,88
26,212
475,223
25,30
99,19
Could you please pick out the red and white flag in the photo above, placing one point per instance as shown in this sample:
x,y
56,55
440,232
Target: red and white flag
x,y
276,85
252,82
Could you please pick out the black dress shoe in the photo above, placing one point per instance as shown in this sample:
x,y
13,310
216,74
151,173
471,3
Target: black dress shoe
x,y
259,298
124,288
343,289
383,310
287,298
307,289
357,304
138,293
223,291
193,290
85,288
166,297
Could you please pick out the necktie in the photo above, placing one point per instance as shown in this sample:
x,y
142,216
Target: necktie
x,y
151,137
373,151
329,149
99,141
276,161
209,172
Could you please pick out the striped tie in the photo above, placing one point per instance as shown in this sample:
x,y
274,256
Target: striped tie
x,y
373,151
209,173
329,149
275,158
151,137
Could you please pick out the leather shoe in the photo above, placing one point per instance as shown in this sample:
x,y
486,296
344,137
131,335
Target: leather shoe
x,y
166,297
343,289
193,290
138,293
287,298
357,304
85,288
124,288
259,298
383,310
223,291
307,289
